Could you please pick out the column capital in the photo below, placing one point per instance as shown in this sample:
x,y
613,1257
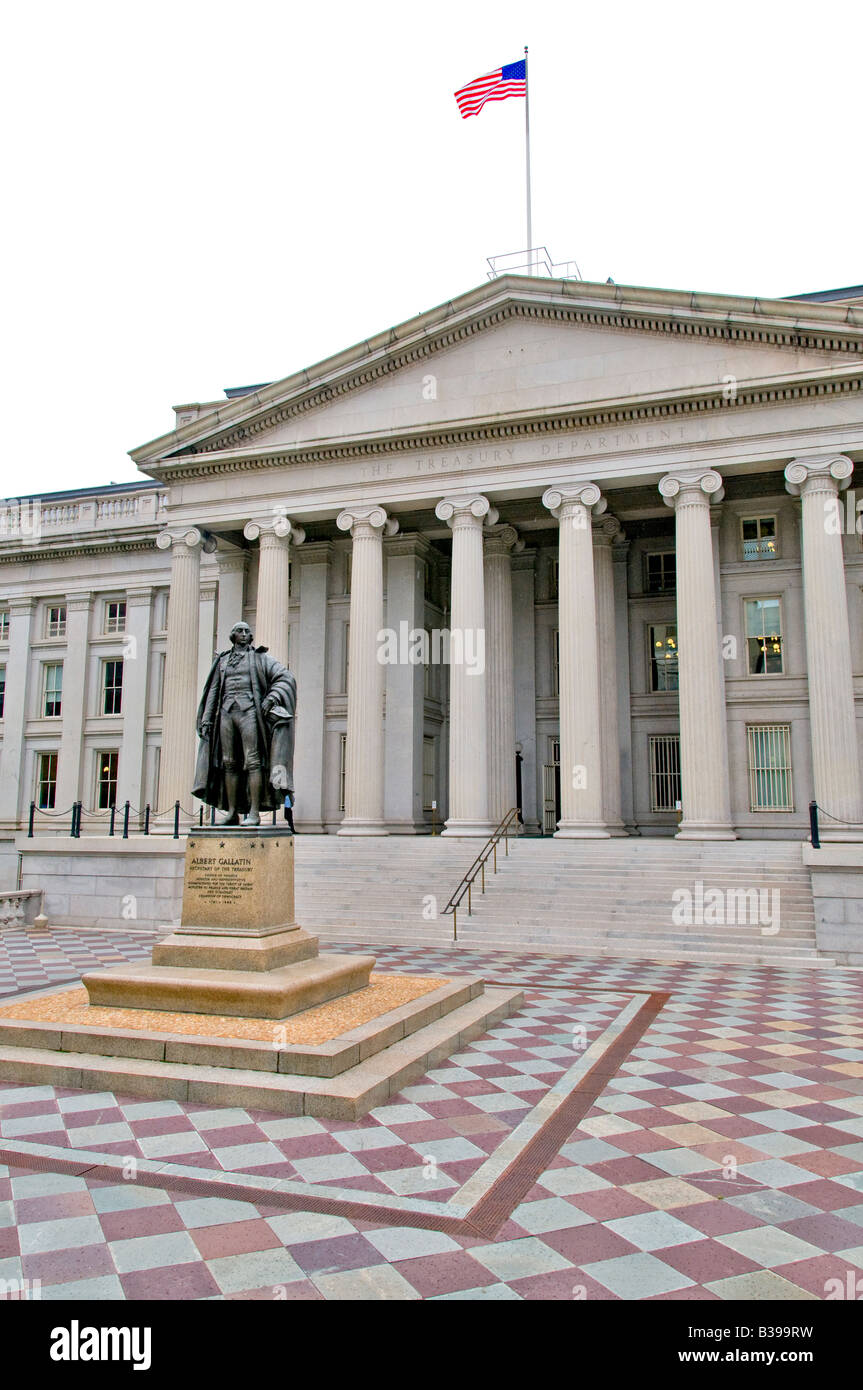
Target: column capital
x,y
316,553
21,604
830,473
408,543
702,485
139,597
366,521
190,536
466,509
620,548
563,500
232,561
274,528
83,603
605,528
502,540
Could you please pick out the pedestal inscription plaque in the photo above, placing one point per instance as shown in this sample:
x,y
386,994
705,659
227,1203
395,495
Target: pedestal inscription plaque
x,y
238,879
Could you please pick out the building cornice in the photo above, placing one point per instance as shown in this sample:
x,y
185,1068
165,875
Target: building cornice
x,y
601,414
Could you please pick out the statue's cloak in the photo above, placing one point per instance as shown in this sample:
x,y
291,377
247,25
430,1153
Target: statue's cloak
x,y
275,731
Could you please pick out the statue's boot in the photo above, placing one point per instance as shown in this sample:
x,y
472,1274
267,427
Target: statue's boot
x,y
255,783
232,782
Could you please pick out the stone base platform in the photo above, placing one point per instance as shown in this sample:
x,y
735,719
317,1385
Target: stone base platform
x,y
341,1079
261,993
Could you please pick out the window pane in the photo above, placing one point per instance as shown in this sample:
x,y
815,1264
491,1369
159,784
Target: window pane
x,y
53,691
113,687
106,780
764,636
46,781
663,657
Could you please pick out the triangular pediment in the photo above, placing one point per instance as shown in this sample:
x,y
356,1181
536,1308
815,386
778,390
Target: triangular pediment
x,y
525,348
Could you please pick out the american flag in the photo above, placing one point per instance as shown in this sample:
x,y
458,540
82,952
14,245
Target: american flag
x,y
508,81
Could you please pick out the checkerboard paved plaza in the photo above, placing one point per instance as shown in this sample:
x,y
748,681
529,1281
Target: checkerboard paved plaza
x,y
723,1159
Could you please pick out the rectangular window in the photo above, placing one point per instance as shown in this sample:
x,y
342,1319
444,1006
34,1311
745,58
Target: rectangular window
x,y
347,657
663,657
348,567
759,537
112,687
53,698
46,781
553,580
4,624
115,616
106,780
2,689
555,662
343,758
665,793
764,636
660,572
770,786
428,774
55,621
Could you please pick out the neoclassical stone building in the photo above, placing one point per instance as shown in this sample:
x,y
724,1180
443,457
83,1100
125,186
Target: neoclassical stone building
x,y
588,549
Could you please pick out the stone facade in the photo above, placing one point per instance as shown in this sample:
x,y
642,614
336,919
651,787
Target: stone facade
x,y
562,486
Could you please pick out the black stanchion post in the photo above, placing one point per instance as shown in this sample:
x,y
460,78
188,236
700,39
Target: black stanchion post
x,y
78,820
147,819
212,815
30,822
200,815
176,820
813,825
113,818
126,821
74,816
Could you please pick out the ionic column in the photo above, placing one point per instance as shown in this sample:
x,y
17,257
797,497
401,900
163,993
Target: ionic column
x,y
79,608
271,614
703,737
136,647
835,749
524,643
500,677
468,724
581,788
604,532
232,566
180,701
14,791
405,684
364,751
620,565
309,669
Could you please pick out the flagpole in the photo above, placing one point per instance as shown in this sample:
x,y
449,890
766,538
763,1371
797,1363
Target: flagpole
x,y
527,165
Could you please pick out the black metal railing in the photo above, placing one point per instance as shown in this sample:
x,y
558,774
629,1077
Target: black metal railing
x,y
509,825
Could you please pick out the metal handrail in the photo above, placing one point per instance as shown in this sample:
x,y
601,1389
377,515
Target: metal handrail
x,y
502,832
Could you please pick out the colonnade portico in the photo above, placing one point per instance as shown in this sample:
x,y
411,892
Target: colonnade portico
x,y
383,752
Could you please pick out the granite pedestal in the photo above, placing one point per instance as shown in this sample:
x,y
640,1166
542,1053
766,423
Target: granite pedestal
x,y
238,949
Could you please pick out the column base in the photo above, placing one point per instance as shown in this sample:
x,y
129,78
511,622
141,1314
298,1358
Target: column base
x,y
705,830
466,829
616,829
581,830
362,827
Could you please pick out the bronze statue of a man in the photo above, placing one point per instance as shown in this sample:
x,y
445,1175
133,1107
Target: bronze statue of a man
x,y
246,727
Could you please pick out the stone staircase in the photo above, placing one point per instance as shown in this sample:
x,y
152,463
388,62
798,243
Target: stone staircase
x,y
599,898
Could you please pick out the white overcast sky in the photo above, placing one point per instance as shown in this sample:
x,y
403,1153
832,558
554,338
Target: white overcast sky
x,y
203,194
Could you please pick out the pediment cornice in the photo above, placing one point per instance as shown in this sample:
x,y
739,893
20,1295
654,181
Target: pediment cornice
x,y
773,323
769,391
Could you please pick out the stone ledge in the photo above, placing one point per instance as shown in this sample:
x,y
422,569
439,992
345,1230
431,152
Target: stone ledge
x,y
347,1096
327,1059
